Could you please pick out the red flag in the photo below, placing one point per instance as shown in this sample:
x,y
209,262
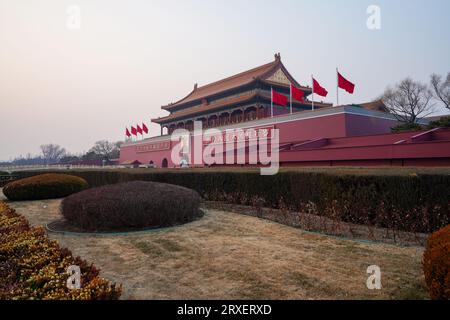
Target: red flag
x,y
133,131
144,128
297,94
279,98
138,129
319,89
345,84
127,133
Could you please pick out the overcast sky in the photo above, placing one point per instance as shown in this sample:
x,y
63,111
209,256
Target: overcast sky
x,y
73,86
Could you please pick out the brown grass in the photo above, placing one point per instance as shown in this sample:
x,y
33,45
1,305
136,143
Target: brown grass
x,y
232,256
324,225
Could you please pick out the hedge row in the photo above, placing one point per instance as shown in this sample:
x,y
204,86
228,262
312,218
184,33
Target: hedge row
x,y
415,202
3,178
45,186
34,267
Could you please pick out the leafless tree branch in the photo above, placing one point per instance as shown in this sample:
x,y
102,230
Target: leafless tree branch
x,y
441,89
107,150
409,101
52,153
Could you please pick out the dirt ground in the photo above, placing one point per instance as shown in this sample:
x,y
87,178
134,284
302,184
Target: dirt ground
x,y
232,256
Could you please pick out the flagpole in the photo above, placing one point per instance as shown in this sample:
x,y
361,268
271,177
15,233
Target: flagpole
x,y
290,96
271,102
312,81
337,87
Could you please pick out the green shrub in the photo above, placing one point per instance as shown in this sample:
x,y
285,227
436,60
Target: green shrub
x,y
45,186
131,205
407,127
408,202
34,267
443,122
436,264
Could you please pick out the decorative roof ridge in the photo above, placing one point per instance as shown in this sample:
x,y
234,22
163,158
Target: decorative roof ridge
x,y
273,65
305,88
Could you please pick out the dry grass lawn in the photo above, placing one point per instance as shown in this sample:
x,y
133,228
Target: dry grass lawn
x,y
231,256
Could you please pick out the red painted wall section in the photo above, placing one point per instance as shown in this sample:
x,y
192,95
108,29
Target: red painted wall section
x,y
129,153
397,149
313,128
358,125
330,126
298,130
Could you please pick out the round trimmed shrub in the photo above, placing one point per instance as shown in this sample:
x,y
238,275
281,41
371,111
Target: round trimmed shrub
x,y
436,264
131,205
44,186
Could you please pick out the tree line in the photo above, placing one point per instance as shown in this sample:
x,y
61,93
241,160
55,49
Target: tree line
x,y
102,151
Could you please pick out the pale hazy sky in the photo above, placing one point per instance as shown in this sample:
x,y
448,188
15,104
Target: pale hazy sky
x,y
76,86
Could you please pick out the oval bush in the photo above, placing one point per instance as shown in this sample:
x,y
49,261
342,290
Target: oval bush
x,y
44,186
130,206
436,264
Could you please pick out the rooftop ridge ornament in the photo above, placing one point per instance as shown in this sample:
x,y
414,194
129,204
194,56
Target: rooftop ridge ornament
x,y
277,56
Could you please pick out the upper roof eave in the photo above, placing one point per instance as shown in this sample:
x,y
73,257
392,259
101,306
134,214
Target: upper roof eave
x,y
241,79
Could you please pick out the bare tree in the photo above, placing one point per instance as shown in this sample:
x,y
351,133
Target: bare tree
x,y
116,152
441,89
409,100
52,153
105,149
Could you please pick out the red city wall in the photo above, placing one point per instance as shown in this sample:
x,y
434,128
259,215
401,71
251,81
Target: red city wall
x,y
342,138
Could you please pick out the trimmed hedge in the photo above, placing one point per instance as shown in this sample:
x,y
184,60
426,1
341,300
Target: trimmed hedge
x,y
408,202
4,178
436,264
45,186
131,205
34,267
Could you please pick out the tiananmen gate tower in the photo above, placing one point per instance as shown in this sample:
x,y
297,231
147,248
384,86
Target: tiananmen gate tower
x,y
310,134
